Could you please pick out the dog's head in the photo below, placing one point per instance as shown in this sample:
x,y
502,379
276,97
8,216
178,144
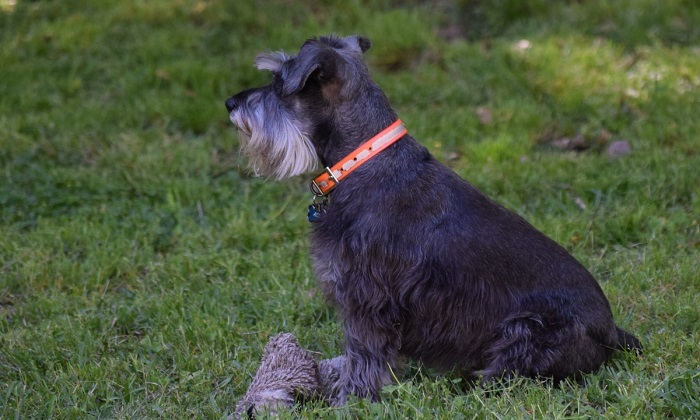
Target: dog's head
x,y
280,122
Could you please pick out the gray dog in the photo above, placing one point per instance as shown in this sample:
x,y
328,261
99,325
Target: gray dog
x,y
418,262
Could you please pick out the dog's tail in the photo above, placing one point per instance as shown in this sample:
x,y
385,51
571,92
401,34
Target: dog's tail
x,y
628,342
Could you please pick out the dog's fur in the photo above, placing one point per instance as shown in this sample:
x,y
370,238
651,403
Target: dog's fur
x,y
418,262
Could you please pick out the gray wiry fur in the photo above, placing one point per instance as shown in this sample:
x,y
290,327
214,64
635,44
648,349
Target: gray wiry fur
x,y
329,374
418,262
288,373
275,141
271,61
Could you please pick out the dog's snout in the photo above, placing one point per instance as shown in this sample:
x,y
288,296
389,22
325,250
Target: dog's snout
x,y
231,104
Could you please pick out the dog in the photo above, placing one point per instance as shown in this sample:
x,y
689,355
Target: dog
x,y
418,262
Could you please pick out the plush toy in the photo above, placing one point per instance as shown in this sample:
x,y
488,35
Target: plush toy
x,y
288,373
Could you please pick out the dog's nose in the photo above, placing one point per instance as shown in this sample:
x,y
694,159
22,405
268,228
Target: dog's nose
x,y
231,104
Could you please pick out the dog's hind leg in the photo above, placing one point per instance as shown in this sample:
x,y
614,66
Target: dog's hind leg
x,y
550,342
519,348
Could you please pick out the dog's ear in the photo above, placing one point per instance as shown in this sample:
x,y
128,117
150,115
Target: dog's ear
x,y
359,43
271,61
320,65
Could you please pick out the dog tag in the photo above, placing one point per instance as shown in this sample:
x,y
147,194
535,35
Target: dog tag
x,y
315,212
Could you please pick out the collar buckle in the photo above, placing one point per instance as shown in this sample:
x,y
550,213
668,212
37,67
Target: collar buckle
x,y
321,187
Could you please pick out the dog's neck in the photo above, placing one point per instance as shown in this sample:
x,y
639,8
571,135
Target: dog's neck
x,y
353,123
331,177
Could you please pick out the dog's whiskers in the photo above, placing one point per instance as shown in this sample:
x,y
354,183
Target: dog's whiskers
x,y
275,146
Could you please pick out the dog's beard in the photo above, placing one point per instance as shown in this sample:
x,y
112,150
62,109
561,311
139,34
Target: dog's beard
x,y
275,146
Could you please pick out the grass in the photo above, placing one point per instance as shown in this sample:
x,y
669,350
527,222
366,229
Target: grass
x,y
142,269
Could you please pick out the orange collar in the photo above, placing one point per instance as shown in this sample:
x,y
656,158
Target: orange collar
x,y
330,178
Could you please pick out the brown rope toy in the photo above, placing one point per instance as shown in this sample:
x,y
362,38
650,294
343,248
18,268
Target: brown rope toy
x,y
288,373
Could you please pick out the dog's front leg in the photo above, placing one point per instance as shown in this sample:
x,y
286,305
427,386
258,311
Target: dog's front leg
x,y
372,345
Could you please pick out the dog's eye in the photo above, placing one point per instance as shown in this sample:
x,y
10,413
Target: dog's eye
x,y
320,76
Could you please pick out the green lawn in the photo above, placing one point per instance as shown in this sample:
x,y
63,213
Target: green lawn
x,y
143,269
